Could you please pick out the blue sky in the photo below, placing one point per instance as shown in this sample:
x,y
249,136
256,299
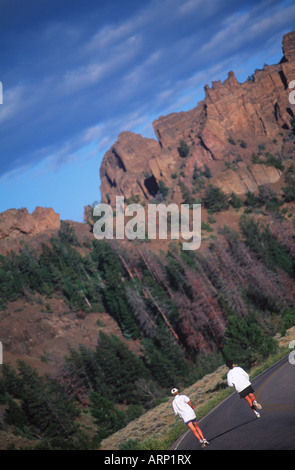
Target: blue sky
x,y
76,73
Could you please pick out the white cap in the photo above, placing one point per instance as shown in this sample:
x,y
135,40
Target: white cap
x,y
174,390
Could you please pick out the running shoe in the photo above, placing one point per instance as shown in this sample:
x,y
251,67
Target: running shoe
x,y
257,405
204,442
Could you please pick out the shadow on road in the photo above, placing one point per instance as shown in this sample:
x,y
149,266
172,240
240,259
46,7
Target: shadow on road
x,y
229,430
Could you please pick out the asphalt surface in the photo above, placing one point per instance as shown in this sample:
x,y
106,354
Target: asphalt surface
x,y
232,425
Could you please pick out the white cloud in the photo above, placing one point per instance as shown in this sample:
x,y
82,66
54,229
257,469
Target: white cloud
x,y
124,72
98,68
246,28
14,100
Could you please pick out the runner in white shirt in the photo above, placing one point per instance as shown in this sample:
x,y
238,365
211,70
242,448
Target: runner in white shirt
x,y
238,378
183,407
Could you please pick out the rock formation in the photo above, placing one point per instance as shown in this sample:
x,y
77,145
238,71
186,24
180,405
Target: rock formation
x,y
17,222
227,127
18,226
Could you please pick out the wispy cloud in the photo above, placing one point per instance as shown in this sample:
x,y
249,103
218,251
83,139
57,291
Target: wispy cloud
x,y
73,82
99,69
14,102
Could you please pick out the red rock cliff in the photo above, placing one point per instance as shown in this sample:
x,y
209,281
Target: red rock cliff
x,y
232,121
16,225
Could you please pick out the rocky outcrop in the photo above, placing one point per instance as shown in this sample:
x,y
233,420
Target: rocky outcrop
x,y
289,46
232,121
132,166
15,223
244,179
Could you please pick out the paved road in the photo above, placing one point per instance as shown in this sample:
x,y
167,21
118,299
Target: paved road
x,y
233,426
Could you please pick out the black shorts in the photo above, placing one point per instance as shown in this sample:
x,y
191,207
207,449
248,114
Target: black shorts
x,y
246,391
194,420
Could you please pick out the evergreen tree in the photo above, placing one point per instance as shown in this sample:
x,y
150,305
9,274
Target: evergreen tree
x,y
47,409
106,415
186,194
157,363
183,149
82,369
172,352
245,342
14,415
165,358
67,234
207,172
10,381
175,274
121,368
260,240
114,294
11,282
215,199
235,201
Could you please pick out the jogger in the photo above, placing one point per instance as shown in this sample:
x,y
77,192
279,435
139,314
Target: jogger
x,y
238,378
183,407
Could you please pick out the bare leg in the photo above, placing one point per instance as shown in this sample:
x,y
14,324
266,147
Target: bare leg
x,y
249,401
196,430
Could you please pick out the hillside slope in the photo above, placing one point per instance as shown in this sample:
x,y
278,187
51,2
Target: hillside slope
x,y
105,328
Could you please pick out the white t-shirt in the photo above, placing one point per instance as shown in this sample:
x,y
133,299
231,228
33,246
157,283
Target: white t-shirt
x,y
238,378
182,408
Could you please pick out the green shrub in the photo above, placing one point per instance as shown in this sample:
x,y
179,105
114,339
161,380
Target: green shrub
x,y
235,201
183,149
251,200
215,199
163,189
260,240
274,160
256,159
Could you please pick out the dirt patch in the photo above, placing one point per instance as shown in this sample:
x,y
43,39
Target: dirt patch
x,y
40,332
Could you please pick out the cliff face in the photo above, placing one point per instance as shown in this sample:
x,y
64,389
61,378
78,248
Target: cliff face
x,y
228,126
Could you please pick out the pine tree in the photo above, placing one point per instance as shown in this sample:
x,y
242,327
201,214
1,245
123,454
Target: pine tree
x,y
121,368
14,415
157,363
114,294
260,240
11,383
215,199
183,149
47,409
82,371
106,415
245,342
